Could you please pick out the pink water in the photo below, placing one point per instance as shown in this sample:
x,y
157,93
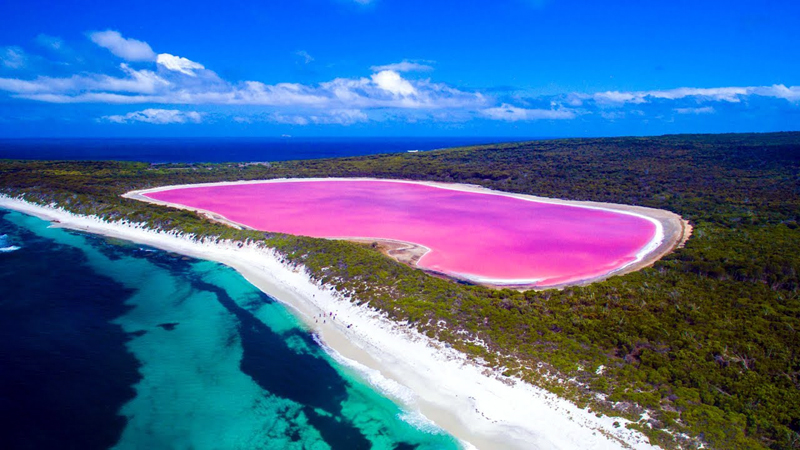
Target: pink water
x,y
478,235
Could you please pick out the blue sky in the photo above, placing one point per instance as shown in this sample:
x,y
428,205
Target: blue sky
x,y
397,67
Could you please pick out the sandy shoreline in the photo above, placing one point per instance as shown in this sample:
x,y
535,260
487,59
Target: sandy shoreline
x,y
671,230
435,383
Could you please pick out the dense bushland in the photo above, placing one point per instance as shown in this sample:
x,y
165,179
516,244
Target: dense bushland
x,y
706,339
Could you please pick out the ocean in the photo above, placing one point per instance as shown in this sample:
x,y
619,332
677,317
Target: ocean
x,y
183,150
108,344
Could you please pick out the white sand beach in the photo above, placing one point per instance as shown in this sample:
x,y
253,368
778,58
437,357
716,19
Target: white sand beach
x,y
477,405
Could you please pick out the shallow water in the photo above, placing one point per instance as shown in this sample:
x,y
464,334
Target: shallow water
x,y
104,343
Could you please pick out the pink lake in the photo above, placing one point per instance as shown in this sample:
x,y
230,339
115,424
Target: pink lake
x,y
480,236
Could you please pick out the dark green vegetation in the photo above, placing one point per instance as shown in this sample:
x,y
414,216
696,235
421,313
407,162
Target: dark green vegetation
x,y
707,338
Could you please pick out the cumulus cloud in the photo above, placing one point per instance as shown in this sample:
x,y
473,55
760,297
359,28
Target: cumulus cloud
x,y
391,81
178,64
403,66
183,81
389,92
127,49
510,113
157,116
12,57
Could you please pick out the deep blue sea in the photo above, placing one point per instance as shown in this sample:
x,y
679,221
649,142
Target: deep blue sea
x,y
108,344
167,150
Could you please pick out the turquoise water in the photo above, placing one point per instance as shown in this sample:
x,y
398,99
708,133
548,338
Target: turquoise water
x,y
164,351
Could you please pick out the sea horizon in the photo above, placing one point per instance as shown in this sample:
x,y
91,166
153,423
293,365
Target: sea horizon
x,y
227,149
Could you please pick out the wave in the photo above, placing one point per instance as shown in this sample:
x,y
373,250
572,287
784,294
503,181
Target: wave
x,y
4,247
402,394
385,385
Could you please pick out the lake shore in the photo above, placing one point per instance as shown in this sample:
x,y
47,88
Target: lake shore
x,y
468,400
671,230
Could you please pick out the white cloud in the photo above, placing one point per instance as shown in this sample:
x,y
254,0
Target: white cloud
x,y
727,94
12,57
91,97
719,94
137,81
510,113
791,94
384,90
157,116
403,66
703,110
388,93
183,81
612,115
281,94
336,117
291,119
178,64
127,49
391,81
618,97
304,56
341,117
575,99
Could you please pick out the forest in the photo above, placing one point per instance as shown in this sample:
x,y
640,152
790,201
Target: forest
x,y
706,340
